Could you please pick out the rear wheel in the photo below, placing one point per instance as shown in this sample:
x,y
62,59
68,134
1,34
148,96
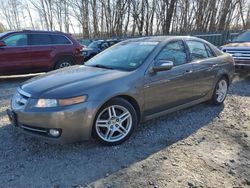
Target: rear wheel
x,y
220,91
115,122
64,62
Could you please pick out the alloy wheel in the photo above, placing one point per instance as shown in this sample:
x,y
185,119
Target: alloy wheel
x,y
221,90
113,123
64,64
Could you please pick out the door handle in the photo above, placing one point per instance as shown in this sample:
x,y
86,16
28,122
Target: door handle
x,y
188,71
212,67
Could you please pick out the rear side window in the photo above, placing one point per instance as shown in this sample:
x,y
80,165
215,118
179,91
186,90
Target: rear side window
x,y
197,50
40,39
16,40
175,52
210,52
60,39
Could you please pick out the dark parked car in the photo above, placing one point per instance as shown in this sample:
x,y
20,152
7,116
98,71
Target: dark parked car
x,y
96,47
239,48
129,83
37,51
85,42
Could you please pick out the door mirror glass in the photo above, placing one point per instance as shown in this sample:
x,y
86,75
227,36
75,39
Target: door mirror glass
x,y
162,65
2,44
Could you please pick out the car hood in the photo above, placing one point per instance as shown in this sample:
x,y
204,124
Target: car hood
x,y
237,44
69,82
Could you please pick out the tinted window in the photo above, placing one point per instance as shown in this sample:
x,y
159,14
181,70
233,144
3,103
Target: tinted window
x,y
175,52
197,50
59,39
40,39
244,37
16,40
126,56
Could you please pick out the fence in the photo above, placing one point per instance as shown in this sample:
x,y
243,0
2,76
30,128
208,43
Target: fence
x,y
216,38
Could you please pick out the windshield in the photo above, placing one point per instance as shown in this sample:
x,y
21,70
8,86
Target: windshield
x,y
244,37
125,56
94,44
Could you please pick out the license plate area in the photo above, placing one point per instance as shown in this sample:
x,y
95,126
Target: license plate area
x,y
12,117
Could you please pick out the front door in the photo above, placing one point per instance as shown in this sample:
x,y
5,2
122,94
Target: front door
x,y
15,56
167,89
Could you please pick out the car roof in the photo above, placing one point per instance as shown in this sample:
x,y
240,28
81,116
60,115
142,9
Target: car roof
x,y
165,39
36,31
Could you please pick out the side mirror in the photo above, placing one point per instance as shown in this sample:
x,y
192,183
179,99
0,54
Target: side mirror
x,y
162,65
2,44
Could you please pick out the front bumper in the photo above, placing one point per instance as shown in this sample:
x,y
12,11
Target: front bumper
x,y
74,122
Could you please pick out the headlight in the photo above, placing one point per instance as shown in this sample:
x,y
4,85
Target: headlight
x,y
43,103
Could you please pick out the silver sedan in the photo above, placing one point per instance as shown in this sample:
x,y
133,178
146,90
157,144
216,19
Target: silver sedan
x,y
131,82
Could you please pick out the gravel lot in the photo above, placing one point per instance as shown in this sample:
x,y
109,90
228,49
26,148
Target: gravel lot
x,y
203,146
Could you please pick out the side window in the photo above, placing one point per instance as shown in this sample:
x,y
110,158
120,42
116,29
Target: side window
x,y
59,39
40,39
210,52
173,51
16,40
197,50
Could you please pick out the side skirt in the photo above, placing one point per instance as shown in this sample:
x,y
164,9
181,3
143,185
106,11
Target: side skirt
x,y
180,107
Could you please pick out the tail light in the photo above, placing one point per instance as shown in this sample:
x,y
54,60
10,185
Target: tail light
x,y
79,50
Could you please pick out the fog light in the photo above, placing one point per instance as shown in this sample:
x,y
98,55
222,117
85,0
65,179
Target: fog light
x,y
54,132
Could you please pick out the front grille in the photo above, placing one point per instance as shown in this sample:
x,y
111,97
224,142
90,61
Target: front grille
x,y
240,54
20,99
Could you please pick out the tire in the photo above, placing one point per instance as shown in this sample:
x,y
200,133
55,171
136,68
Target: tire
x,y
114,128
64,62
220,91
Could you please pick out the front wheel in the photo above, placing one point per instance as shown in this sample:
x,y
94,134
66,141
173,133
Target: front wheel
x,y
115,122
220,91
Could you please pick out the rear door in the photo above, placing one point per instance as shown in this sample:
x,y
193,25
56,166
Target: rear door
x,y
42,51
15,56
171,88
204,66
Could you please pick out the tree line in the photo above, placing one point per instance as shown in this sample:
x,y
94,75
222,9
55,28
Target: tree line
x,y
107,18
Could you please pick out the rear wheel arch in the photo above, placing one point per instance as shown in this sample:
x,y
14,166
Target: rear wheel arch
x,y
225,76
58,59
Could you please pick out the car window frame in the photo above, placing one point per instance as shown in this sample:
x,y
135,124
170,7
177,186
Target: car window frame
x,y
13,34
185,50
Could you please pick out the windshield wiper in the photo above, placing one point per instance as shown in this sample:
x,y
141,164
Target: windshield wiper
x,y
102,66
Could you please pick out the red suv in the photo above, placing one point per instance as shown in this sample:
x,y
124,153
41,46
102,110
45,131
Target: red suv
x,y
37,51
